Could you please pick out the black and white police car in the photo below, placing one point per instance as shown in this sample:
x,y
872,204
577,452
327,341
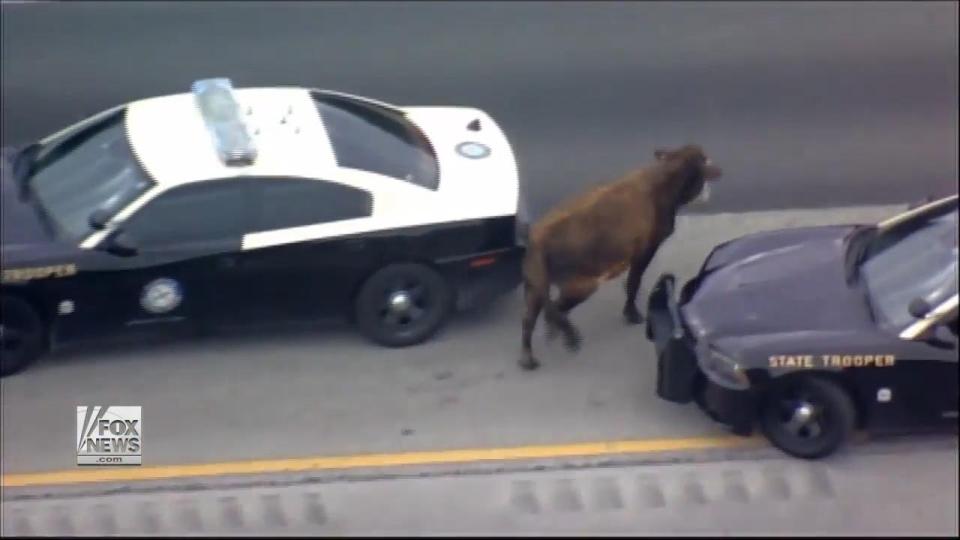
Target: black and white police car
x,y
224,206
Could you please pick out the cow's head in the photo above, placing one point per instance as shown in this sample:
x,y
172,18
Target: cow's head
x,y
690,166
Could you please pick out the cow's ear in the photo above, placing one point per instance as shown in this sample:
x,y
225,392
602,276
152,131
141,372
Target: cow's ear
x,y
660,154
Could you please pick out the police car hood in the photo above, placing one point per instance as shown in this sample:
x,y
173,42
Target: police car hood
x,y
793,281
20,223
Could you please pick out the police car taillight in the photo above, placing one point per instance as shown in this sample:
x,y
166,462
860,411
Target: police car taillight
x,y
223,117
522,222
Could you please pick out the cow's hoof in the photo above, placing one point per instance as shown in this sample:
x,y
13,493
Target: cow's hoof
x,y
573,341
633,316
529,363
551,332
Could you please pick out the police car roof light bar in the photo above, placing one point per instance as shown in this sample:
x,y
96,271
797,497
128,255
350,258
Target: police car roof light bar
x,y
224,119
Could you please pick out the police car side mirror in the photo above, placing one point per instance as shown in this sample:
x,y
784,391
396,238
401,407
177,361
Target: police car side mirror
x,y
98,219
919,308
121,243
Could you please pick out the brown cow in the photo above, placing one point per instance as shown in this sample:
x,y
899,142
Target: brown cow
x,y
596,236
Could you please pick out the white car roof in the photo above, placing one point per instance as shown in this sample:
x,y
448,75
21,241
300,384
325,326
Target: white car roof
x,y
173,144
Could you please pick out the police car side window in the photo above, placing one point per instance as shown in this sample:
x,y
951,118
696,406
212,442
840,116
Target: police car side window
x,y
207,211
294,202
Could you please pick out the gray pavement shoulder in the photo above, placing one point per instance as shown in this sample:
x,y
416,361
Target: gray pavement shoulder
x,y
856,493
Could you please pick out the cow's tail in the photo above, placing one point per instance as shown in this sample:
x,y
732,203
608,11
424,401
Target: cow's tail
x,y
536,278
537,282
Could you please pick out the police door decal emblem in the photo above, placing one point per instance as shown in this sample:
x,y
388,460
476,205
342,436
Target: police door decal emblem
x,y
161,295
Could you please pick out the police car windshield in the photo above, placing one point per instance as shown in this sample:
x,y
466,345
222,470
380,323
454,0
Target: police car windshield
x,y
371,138
920,262
92,169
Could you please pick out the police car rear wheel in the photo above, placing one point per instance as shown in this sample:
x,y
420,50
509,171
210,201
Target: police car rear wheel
x,y
808,417
21,335
402,305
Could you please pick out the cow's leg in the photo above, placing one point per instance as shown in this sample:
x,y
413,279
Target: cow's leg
x,y
637,267
572,293
534,305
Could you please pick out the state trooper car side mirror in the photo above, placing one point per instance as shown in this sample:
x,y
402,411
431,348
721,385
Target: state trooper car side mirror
x,y
121,243
98,219
919,308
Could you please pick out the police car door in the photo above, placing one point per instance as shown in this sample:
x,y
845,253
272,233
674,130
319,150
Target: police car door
x,y
177,239
293,265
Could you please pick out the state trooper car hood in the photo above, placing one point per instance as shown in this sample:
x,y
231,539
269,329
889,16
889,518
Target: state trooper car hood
x,y
791,280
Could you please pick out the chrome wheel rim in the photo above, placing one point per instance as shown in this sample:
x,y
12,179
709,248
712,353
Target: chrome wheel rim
x,y
405,303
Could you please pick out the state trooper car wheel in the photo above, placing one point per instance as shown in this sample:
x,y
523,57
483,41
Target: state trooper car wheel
x,y
21,335
402,305
808,417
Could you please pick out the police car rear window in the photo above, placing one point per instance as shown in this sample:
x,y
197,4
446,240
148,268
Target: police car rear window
x,y
379,140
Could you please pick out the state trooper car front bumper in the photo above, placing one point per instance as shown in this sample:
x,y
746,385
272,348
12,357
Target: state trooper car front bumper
x,y
680,378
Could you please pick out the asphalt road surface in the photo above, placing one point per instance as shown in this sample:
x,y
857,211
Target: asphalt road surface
x,y
803,104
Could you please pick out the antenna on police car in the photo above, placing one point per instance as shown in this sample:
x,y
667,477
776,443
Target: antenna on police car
x,y
223,117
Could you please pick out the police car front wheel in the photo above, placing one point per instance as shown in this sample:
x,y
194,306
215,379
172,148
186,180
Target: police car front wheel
x,y
808,417
21,335
403,304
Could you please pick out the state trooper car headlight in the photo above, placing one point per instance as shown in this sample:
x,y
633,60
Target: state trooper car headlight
x,y
722,369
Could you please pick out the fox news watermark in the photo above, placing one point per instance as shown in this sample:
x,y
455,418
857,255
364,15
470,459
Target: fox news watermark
x,y
109,435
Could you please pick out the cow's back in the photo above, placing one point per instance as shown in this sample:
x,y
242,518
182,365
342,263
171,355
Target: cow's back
x,y
594,232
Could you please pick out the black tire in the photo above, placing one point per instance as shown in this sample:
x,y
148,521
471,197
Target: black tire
x,y
429,304
832,421
22,335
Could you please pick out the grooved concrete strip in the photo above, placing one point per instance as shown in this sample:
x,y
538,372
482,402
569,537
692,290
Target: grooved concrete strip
x,y
856,494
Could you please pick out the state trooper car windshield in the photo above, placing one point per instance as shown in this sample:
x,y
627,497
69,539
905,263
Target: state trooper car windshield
x,y
378,140
93,169
920,263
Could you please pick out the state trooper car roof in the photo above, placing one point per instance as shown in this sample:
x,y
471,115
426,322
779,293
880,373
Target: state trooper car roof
x,y
172,139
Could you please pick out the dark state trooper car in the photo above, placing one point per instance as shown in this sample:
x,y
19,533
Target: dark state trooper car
x,y
226,206
815,332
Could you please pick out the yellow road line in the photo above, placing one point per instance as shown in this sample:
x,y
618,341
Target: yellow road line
x,y
372,460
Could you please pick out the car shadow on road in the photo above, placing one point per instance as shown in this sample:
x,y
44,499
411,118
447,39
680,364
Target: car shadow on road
x,y
321,334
